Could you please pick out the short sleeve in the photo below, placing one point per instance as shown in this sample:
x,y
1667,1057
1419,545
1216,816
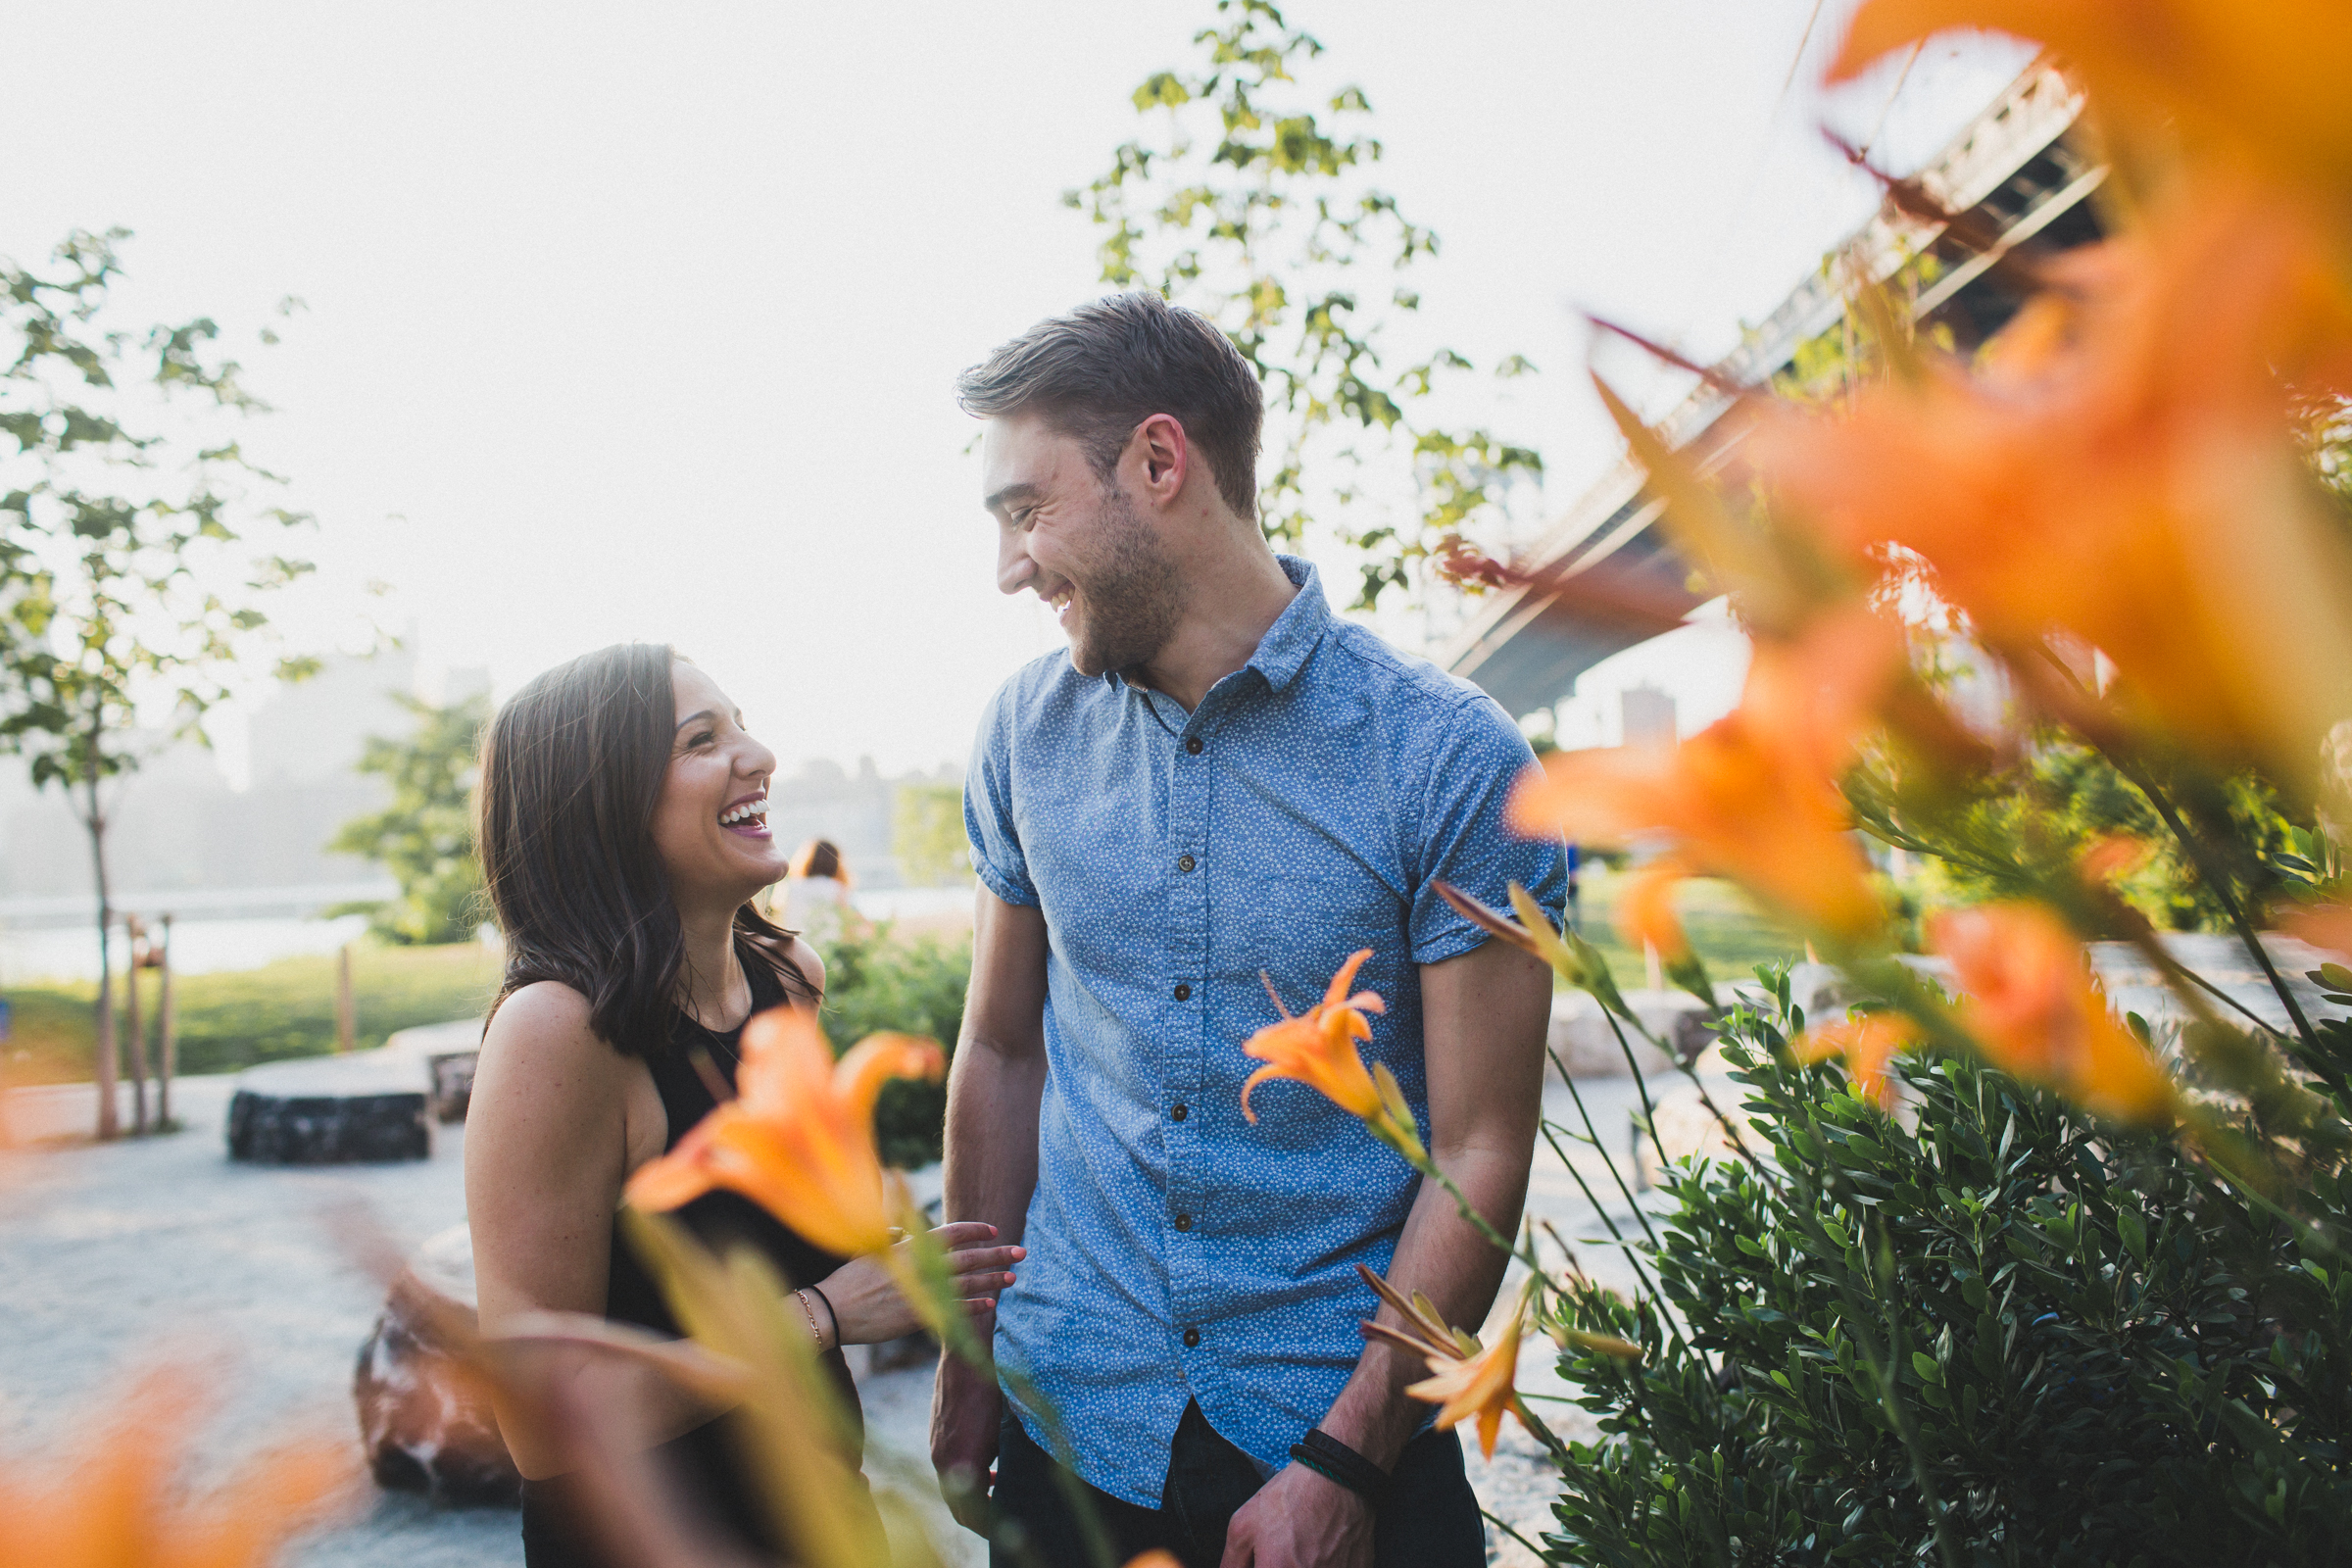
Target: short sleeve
x,y
988,818
1474,758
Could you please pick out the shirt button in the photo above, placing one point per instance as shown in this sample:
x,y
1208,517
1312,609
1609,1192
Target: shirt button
x,y
1191,1339
1184,993
1178,1114
1193,746
1184,1222
1184,862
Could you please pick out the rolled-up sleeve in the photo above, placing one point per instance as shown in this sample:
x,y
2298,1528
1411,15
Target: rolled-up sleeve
x,y
1474,760
988,818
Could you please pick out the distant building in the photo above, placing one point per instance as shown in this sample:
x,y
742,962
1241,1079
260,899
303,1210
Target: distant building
x,y
315,729
2012,172
1648,716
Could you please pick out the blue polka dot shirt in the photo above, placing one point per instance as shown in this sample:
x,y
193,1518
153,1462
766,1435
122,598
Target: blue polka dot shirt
x,y
1305,809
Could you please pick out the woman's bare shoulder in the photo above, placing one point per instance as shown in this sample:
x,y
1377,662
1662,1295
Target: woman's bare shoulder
x,y
542,1032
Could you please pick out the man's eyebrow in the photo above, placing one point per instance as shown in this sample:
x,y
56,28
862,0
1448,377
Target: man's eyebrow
x,y
1023,491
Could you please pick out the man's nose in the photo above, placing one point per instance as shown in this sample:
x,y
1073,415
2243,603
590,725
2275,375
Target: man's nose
x,y
1014,569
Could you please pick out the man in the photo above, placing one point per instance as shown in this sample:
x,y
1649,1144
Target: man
x,y
1219,782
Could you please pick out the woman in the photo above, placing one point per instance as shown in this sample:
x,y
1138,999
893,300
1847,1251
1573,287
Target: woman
x,y
622,833
816,892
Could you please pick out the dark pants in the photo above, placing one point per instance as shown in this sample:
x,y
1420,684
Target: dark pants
x,y
1428,1518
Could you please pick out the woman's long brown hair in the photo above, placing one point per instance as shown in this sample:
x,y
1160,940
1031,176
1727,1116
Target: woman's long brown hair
x,y
571,771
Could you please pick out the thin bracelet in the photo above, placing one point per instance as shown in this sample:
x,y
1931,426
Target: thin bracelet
x,y
831,1316
810,1313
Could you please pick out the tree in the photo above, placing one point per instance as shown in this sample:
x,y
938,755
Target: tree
x,y
425,835
926,834
123,593
1253,209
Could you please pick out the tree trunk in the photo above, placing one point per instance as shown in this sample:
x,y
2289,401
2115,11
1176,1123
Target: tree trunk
x,y
136,1035
109,1071
166,1028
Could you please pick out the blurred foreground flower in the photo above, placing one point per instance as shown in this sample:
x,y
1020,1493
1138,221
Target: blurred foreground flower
x,y
119,1504
2124,471
2261,84
2032,1009
1319,1050
1867,1043
1752,797
799,1138
2322,926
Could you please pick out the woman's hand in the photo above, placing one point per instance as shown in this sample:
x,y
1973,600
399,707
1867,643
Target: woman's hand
x,y
865,1300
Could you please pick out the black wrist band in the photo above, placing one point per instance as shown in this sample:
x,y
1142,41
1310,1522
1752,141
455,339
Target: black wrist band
x,y
831,1316
1333,1460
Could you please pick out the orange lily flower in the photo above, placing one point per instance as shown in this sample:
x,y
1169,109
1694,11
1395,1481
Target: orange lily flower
x,y
2322,926
1867,1043
1467,1379
2130,479
2259,83
1319,1050
799,1137
117,1504
2033,1011
1645,912
1752,797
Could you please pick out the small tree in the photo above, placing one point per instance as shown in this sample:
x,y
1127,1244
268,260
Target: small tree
x,y
926,834
1251,206
122,592
425,835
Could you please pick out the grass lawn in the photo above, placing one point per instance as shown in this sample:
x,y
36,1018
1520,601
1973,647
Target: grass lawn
x,y
1726,928
236,1018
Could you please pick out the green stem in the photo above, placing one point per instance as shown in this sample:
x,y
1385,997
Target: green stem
x,y
1639,1213
2217,878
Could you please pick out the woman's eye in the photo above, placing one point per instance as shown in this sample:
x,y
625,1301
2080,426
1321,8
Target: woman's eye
x,y
704,738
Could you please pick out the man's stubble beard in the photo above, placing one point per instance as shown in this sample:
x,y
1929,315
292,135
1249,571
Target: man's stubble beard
x,y
1133,596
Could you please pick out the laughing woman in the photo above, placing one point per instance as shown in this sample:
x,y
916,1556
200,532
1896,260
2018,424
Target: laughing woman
x,y
623,834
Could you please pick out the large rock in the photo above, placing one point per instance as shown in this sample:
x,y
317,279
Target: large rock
x,y
1582,1038
326,1111
426,1425
449,1052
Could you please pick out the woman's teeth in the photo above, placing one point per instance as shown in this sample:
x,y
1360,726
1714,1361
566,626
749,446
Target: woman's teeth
x,y
749,812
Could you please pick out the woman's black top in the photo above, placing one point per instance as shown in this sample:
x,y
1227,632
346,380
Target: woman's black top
x,y
704,1469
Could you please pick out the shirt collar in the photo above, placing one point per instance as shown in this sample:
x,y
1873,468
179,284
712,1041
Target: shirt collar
x,y
1283,651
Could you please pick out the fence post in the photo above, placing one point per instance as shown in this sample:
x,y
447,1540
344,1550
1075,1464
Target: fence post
x,y
345,1018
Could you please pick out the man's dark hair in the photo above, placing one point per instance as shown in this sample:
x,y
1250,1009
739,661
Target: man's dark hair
x,y
1102,369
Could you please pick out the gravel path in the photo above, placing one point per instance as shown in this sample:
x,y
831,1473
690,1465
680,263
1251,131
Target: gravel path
x,y
116,1257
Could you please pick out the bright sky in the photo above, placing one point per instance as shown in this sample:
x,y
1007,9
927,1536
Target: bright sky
x,y
633,322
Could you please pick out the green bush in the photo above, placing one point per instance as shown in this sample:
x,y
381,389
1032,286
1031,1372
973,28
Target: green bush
x,y
2061,1342
288,1009
877,981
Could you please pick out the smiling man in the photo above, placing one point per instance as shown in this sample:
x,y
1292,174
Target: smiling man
x,y
1219,781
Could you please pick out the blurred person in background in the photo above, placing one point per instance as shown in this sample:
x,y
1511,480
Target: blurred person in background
x,y
815,899
624,836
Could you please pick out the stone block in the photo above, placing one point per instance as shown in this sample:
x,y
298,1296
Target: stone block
x,y
369,1106
1581,1035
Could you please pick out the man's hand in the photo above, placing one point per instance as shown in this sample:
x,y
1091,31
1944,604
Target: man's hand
x,y
965,1409
1300,1519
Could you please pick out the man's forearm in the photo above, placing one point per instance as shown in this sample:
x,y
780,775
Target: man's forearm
x,y
1442,1256
990,1167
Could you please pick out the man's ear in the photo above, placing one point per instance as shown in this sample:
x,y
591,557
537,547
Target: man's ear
x,y
1162,457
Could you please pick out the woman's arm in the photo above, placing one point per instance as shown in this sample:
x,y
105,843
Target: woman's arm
x,y
548,1143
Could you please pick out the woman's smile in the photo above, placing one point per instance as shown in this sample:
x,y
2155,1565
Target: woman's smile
x,y
747,815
